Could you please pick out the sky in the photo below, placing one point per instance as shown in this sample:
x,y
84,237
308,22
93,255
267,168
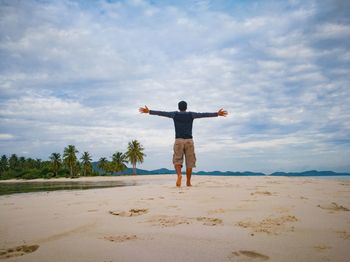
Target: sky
x,y
76,72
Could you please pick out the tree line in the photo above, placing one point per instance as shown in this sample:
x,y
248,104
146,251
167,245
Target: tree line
x,y
69,165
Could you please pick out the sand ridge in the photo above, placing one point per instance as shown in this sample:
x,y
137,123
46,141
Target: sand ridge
x,y
333,207
247,255
131,213
120,238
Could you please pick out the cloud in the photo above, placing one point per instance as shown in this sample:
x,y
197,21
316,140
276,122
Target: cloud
x,y
76,72
44,109
333,30
6,136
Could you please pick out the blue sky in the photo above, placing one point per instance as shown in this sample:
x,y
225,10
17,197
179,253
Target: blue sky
x,y
75,72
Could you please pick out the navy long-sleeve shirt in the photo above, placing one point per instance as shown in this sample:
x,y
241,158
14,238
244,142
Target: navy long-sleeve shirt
x,y
183,121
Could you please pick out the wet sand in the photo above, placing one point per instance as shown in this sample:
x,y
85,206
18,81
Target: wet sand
x,y
217,219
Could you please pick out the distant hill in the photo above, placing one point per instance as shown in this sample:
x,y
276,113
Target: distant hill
x,y
159,171
129,171
228,173
310,173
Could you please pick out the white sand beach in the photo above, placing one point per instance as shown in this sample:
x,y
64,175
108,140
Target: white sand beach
x,y
217,219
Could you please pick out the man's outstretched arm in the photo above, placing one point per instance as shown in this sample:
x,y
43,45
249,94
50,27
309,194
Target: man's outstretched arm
x,y
145,110
221,112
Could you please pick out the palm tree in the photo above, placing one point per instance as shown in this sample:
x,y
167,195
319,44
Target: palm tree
x,y
30,163
103,164
135,154
70,158
4,164
86,162
118,161
13,161
38,163
56,162
21,161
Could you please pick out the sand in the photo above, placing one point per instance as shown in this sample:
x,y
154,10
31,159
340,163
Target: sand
x,y
217,219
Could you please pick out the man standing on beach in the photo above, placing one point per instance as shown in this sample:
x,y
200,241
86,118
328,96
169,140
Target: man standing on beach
x,y
183,136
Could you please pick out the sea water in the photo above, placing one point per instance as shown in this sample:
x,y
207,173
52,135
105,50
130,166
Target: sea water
x,y
7,188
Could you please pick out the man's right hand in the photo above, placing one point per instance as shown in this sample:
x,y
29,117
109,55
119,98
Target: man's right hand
x,y
144,110
222,112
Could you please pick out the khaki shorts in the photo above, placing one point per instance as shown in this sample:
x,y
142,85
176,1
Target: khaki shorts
x,y
184,147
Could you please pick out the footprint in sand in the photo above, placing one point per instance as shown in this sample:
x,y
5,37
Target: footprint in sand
x,y
121,238
263,193
208,221
322,247
131,213
247,255
17,251
334,207
168,221
150,198
269,225
343,234
217,211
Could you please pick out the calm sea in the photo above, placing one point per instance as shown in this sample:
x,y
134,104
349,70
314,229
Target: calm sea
x,y
29,187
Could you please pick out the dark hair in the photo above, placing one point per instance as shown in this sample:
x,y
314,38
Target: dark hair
x,y
182,106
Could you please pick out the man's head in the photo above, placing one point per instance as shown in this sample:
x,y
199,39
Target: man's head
x,y
182,106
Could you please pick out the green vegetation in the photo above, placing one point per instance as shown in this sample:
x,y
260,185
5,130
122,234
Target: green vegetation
x,y
86,164
103,164
56,163
70,159
135,154
68,165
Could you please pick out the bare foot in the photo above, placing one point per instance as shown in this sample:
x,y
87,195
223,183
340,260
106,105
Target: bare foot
x,y
188,183
178,181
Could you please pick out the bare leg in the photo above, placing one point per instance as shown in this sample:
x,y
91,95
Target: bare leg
x,y
179,175
188,176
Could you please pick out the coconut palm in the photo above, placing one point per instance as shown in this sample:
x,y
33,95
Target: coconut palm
x,y
21,162
4,164
70,158
56,162
38,163
135,154
103,164
13,161
118,161
30,163
86,163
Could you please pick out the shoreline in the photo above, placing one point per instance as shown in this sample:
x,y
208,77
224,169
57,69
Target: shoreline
x,y
86,178
128,177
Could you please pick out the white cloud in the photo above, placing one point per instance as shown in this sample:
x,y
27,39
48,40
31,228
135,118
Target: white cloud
x,y
6,136
333,30
44,108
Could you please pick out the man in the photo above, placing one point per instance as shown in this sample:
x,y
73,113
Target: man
x,y
183,136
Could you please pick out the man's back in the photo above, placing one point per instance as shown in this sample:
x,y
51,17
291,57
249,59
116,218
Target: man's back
x,y
183,121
